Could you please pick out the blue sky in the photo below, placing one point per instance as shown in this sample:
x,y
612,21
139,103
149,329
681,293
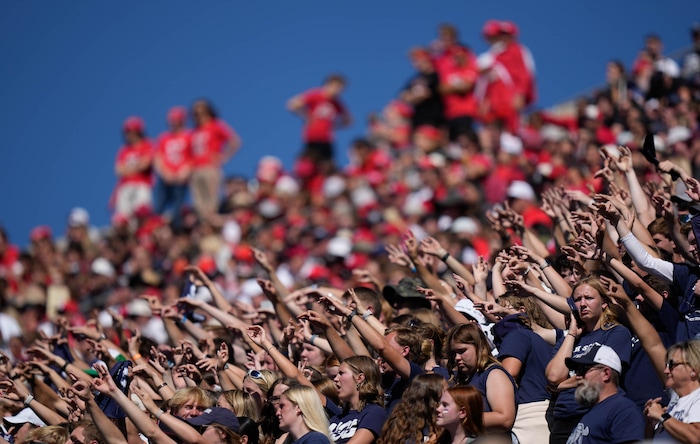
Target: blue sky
x,y
72,71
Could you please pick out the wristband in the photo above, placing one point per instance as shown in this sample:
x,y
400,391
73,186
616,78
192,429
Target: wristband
x,y
665,417
544,265
161,386
226,366
445,257
63,369
184,318
136,356
313,338
367,314
159,413
351,315
28,400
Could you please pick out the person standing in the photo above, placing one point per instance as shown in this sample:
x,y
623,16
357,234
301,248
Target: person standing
x,y
213,143
133,168
172,164
612,416
322,111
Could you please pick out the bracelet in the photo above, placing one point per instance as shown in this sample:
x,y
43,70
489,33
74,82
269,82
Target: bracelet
x,y
159,413
136,356
528,270
544,265
184,318
63,369
160,386
28,400
367,314
445,257
351,315
313,338
572,335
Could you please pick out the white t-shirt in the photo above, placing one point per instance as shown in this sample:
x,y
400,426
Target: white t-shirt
x,y
687,408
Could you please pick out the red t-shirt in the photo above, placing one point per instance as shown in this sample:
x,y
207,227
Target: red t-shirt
x,y
129,155
518,61
208,141
460,104
174,151
321,114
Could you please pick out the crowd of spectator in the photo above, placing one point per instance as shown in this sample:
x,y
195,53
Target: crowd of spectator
x,y
475,274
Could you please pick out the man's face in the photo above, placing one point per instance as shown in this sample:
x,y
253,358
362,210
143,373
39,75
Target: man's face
x,y
590,385
663,243
693,245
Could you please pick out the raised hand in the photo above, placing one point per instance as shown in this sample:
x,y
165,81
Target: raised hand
x,y
261,259
693,188
256,334
398,256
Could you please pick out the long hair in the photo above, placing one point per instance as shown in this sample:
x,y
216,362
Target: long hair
x,y
415,412
48,435
529,307
269,424
470,334
370,389
242,403
609,316
469,398
263,379
312,411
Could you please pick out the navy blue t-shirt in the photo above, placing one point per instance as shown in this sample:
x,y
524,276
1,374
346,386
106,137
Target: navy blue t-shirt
x,y
312,438
618,338
534,353
479,379
343,425
684,278
393,394
641,383
614,420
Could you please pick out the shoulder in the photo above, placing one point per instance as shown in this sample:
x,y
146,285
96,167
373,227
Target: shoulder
x,y
313,438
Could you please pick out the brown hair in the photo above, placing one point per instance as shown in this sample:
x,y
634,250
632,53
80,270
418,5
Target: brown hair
x,y
370,389
470,334
407,337
609,315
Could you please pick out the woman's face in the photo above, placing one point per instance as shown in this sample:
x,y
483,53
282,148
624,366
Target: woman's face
x,y
313,356
189,409
465,356
447,411
277,394
287,413
223,403
677,371
346,382
253,390
589,303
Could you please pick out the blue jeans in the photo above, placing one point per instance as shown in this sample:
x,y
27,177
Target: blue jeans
x,y
173,196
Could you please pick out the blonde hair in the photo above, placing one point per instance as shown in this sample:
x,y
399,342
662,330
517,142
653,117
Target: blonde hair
x,y
242,403
49,435
312,411
265,381
183,395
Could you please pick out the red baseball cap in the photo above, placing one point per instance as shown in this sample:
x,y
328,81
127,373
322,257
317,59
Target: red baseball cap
x,y
428,131
177,115
134,123
491,28
510,28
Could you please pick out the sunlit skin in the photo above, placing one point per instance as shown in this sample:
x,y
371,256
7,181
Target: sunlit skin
x,y
680,375
223,403
253,390
447,411
287,414
590,305
277,393
346,383
312,356
190,409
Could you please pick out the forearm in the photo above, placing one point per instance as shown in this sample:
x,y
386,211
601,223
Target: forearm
x,y
174,333
642,205
340,348
534,244
644,260
354,340
556,370
110,432
682,432
458,268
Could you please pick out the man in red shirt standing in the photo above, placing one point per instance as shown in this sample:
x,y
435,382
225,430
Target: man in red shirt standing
x,y
134,171
322,111
173,164
213,144
457,79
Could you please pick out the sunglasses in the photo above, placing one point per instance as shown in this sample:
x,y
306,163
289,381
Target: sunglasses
x,y
255,374
671,364
584,369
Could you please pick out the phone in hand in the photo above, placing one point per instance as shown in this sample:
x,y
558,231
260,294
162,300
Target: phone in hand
x,y
574,311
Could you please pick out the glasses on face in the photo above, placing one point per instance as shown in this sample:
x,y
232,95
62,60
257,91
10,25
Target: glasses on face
x,y
584,369
671,364
255,374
